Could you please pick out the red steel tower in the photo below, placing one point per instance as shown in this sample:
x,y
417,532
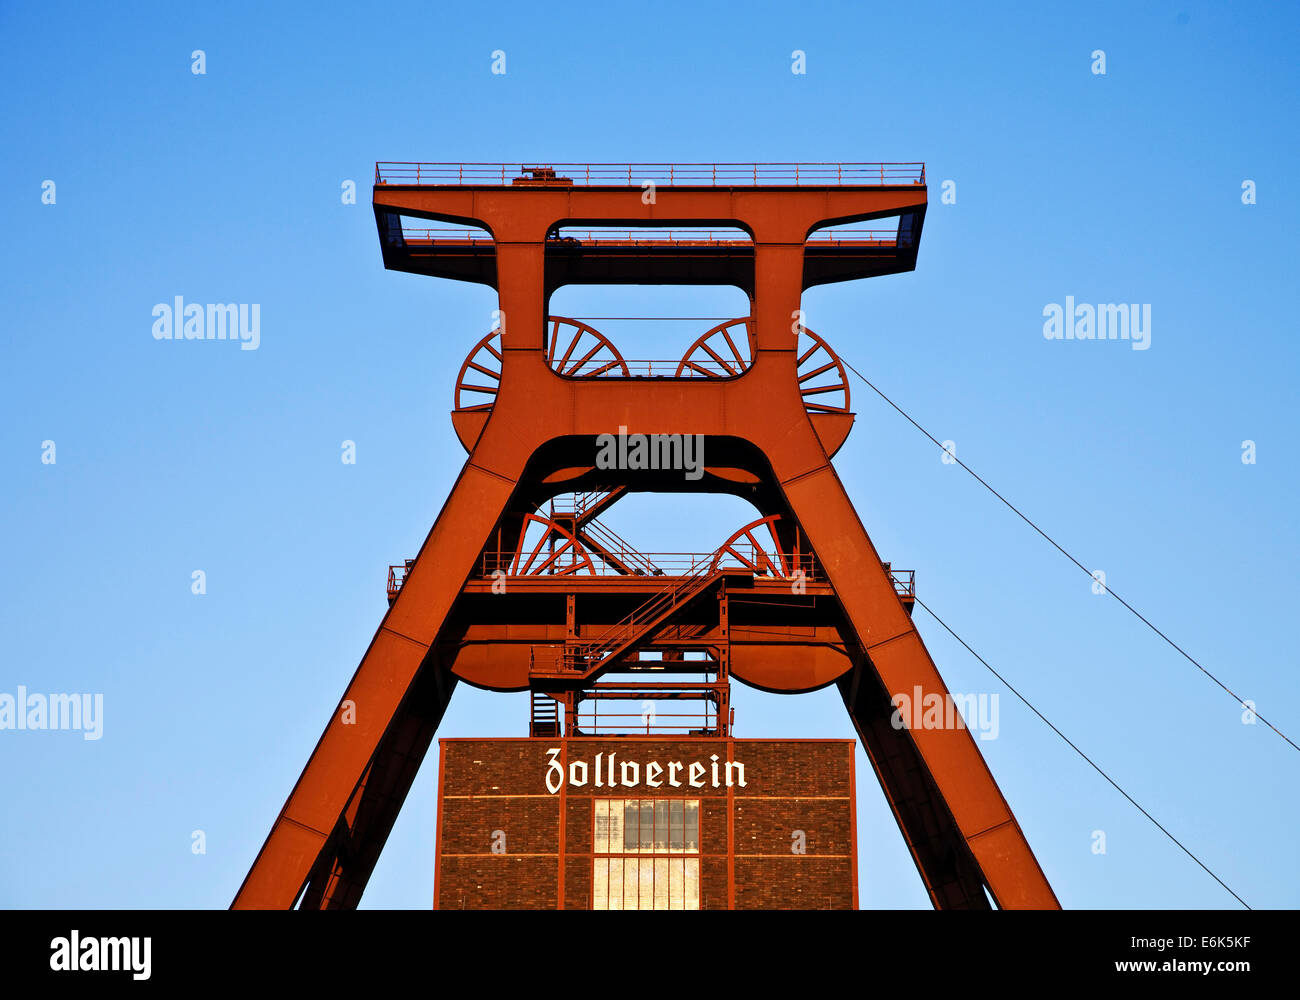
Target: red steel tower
x,y
519,586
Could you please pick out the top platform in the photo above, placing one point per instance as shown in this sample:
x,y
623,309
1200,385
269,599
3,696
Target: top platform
x,y
662,174
579,218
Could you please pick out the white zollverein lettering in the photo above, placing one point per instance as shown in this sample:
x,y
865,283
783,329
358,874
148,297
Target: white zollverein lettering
x,y
627,774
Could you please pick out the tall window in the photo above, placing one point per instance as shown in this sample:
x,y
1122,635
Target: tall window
x,y
647,854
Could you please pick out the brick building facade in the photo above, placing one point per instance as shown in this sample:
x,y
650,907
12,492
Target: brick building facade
x,y
646,823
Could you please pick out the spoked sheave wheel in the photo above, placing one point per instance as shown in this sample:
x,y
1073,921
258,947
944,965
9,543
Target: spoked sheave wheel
x,y
480,375
728,350
577,350
758,548
823,382
723,352
547,549
572,348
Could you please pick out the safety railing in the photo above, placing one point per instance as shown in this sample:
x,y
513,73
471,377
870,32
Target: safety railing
x,y
441,235
667,564
577,504
664,174
854,237
654,237
396,577
651,237
656,368
591,721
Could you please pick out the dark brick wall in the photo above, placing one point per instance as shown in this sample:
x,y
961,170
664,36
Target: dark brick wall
x,y
792,883
580,825
497,882
577,883
713,883
766,826
790,785
530,825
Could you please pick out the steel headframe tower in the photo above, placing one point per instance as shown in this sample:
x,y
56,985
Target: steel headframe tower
x,y
512,591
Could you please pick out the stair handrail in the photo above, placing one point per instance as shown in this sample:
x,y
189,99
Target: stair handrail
x,y
621,547
619,633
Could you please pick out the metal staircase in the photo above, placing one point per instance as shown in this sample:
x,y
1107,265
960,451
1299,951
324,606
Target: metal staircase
x,y
581,660
545,716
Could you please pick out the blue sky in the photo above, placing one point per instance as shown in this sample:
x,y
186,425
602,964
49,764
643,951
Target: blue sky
x,y
172,457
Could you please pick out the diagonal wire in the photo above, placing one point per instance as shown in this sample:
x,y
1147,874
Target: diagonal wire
x,y
1073,747
1141,617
